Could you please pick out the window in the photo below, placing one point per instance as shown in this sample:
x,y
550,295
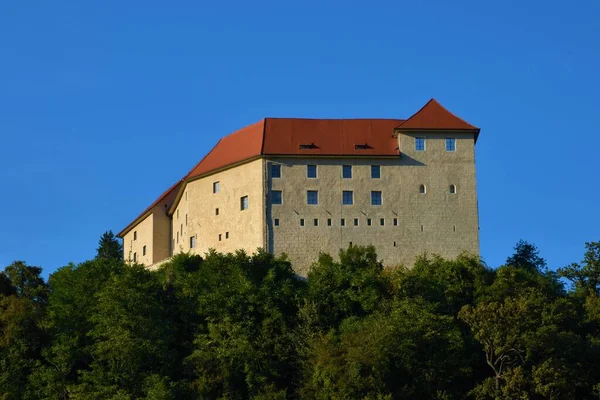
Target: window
x,y
347,197
420,144
347,171
395,244
219,237
226,235
328,221
422,189
382,221
369,221
192,242
311,171
177,214
316,222
395,221
244,203
186,218
375,171
343,222
216,187
355,221
177,237
450,144
181,229
134,257
276,222
375,198
308,146
452,189
312,197
276,197
217,211
454,228
275,171
301,221
134,235
144,250
422,228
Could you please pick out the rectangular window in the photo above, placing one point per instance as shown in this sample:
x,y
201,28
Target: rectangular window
x,y
134,257
177,214
226,235
134,235
355,221
347,171
276,222
328,221
275,171
347,197
311,171
375,198
219,237
185,219
368,221
181,229
192,242
217,211
312,197
316,222
301,221
375,171
420,144
382,221
216,187
395,221
177,237
343,222
144,250
244,203
276,197
450,144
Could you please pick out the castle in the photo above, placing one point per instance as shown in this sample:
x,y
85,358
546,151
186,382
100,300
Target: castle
x,y
305,186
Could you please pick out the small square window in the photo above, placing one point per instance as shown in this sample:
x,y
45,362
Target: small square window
x,y
216,187
192,242
420,144
276,222
343,222
316,222
450,144
276,197
216,211
134,257
311,171
347,197
275,170
226,235
301,221
375,171
244,203
369,221
134,235
395,221
328,221
376,198
382,221
312,197
144,250
347,171
355,221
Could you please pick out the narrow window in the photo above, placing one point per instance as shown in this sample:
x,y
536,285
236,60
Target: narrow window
x,y
186,195
276,197
376,198
192,242
454,228
452,189
226,235
316,222
347,171
244,203
178,237
350,244
186,218
301,221
355,221
450,144
181,229
217,211
219,237
375,171
328,221
343,222
311,171
422,228
134,235
216,187
382,221
178,214
420,144
134,257
347,197
395,244
369,221
422,189
276,222
275,170
144,250
312,197
395,221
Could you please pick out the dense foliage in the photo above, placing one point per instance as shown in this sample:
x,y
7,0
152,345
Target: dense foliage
x,y
234,326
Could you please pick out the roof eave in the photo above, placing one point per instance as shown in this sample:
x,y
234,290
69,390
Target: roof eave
x,y
134,223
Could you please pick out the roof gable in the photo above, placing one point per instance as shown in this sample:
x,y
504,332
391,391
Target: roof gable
x,y
433,116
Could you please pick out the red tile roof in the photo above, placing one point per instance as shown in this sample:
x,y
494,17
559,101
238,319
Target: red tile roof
x,y
433,116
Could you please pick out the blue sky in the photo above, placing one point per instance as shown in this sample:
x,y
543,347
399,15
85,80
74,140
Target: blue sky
x,y
105,104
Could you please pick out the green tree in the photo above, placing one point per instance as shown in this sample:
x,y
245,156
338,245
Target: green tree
x,y
585,276
109,247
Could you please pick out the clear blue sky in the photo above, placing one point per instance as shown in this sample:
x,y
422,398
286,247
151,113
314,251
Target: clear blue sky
x,y
105,104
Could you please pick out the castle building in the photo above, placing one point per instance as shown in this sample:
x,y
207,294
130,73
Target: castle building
x,y
306,186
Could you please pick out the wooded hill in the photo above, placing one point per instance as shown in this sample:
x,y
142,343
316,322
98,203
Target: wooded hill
x,y
233,326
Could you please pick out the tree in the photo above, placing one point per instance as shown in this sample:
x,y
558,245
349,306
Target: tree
x,y
526,256
109,247
585,276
